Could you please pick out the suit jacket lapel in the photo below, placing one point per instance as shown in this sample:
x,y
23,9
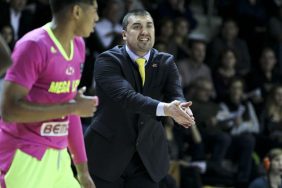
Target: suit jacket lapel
x,y
151,71
131,71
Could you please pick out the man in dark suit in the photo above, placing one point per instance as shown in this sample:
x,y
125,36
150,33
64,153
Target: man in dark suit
x,y
14,14
125,143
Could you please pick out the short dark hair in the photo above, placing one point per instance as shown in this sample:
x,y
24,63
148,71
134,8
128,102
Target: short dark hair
x,y
225,51
194,42
237,79
137,12
58,5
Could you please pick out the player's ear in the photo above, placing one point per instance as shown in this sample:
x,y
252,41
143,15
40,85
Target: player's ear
x,y
76,11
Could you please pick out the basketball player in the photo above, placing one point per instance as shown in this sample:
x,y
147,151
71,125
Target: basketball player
x,y
40,105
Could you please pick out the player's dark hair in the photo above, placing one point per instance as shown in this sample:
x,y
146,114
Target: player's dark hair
x,y
59,5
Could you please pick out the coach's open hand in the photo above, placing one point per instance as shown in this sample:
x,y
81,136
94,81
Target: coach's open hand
x,y
179,112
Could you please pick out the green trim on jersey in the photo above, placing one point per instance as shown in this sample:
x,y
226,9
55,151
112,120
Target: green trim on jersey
x,y
58,44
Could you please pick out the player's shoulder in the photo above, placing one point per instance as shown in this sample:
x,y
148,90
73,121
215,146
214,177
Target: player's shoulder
x,y
37,37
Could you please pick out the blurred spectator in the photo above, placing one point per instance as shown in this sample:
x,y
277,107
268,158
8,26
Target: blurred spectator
x,y
214,139
107,34
41,13
130,5
165,31
108,29
193,68
6,60
229,39
179,168
164,36
238,117
225,8
176,8
252,18
260,81
225,73
102,4
8,35
275,32
15,14
273,167
151,6
180,38
272,7
272,117
161,46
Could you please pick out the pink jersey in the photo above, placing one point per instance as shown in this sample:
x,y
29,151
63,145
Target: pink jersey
x,y
41,65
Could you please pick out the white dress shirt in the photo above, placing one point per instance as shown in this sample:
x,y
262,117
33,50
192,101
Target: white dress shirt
x,y
133,57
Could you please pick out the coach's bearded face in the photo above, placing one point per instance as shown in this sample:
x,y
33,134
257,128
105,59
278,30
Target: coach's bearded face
x,y
140,34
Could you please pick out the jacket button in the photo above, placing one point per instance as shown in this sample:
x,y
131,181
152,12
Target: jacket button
x,y
141,123
137,143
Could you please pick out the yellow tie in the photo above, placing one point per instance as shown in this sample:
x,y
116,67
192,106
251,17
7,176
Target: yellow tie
x,y
141,66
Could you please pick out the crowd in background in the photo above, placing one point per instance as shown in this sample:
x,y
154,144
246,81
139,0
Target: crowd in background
x,y
233,78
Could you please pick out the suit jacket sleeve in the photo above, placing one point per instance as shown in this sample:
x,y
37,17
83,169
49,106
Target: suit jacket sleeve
x,y
111,81
173,89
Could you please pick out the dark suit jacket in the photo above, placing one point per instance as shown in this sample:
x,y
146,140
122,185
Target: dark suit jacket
x,y
26,19
126,120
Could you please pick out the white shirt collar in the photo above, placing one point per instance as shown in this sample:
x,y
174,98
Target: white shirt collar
x,y
134,56
15,21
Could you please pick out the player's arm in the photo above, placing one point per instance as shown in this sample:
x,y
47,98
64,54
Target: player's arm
x,y
77,150
5,59
16,108
83,175
29,62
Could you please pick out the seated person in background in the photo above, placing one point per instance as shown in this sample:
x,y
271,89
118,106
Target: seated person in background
x,y
15,13
165,34
259,82
181,172
237,114
5,59
41,12
224,73
273,167
205,111
238,117
229,39
130,5
109,29
8,35
161,46
252,21
180,40
272,117
194,67
173,9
